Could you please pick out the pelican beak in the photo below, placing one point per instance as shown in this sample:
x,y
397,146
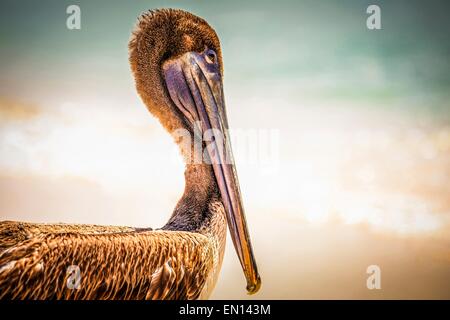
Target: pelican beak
x,y
195,86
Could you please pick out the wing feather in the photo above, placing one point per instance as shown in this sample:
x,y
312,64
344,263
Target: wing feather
x,y
123,265
14,232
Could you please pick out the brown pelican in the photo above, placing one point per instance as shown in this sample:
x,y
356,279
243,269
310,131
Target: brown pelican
x,y
176,61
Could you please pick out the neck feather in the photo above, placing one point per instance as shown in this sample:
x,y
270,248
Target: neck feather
x,y
192,211
155,38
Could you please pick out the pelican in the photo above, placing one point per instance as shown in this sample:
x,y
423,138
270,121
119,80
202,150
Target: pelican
x,y
176,61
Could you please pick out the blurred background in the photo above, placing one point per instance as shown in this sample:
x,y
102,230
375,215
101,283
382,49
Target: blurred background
x,y
356,171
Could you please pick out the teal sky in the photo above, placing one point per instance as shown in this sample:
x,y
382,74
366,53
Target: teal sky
x,y
317,50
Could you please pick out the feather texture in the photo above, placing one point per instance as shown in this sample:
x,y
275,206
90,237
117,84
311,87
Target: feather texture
x,y
122,265
114,262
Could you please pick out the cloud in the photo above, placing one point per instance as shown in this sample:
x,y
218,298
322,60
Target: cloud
x,y
14,110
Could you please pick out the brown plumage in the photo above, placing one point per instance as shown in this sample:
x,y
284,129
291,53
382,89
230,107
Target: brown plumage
x,y
180,261
13,232
114,262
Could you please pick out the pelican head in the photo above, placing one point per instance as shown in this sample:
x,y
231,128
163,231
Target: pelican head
x,y
176,60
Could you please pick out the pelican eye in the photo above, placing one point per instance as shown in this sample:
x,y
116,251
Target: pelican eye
x,y
211,56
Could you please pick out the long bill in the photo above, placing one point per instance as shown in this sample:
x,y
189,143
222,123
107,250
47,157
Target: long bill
x,y
195,86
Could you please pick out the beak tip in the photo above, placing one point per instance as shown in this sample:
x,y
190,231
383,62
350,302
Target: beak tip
x,y
253,288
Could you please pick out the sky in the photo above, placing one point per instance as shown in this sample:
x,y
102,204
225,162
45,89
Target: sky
x,y
345,161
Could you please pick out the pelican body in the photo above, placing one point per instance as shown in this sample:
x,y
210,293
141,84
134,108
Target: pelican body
x,y
176,61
